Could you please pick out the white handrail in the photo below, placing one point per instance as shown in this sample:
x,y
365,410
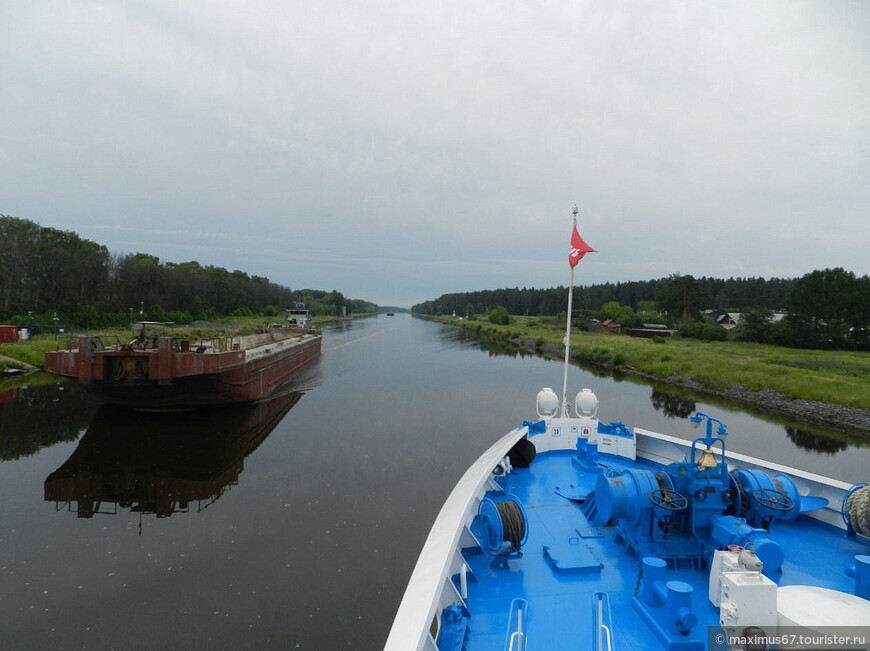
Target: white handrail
x,y
609,641
602,626
518,634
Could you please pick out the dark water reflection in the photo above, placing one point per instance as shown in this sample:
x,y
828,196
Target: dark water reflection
x,y
161,463
35,418
672,405
678,406
815,442
317,505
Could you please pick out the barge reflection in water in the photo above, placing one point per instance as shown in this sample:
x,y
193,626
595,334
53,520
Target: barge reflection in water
x,y
161,463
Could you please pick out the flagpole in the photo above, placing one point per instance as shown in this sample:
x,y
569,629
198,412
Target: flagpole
x,y
568,334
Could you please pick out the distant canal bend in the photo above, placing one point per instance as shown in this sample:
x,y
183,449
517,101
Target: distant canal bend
x,y
294,523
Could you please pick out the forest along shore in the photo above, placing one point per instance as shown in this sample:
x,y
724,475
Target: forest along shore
x,y
843,418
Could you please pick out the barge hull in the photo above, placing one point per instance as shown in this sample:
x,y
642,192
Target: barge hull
x,y
176,380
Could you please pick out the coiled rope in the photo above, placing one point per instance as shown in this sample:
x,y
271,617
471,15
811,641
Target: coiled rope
x,y
512,523
857,511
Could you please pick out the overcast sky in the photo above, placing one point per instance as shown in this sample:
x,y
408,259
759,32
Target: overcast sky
x,y
399,150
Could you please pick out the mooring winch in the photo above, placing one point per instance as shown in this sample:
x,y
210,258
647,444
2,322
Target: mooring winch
x,y
687,510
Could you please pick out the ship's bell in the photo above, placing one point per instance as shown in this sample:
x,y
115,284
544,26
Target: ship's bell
x,y
707,460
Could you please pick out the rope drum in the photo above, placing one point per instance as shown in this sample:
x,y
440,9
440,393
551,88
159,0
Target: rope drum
x,y
856,510
500,525
512,523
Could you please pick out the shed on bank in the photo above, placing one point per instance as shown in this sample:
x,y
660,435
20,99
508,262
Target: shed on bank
x,y
8,333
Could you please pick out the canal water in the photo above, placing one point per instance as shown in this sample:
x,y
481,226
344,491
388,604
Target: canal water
x,y
292,524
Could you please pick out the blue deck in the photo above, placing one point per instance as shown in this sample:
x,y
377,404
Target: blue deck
x,y
567,559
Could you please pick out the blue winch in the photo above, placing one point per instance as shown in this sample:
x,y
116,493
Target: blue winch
x,y
763,499
689,509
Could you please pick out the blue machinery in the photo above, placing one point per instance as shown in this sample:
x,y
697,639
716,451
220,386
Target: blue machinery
x,y
681,513
687,511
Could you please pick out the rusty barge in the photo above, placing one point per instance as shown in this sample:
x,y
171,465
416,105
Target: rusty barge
x,y
165,372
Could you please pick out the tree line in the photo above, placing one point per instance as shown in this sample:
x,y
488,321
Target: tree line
x,y
49,275
718,294
823,309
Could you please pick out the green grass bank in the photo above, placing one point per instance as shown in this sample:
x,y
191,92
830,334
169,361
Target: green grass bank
x,y
788,381
837,377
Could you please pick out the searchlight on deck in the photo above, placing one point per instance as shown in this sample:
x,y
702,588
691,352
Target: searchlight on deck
x,y
547,403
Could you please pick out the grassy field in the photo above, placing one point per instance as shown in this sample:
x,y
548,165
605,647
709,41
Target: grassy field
x,y
837,377
29,352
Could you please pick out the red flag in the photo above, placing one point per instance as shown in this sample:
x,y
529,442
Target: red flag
x,y
579,248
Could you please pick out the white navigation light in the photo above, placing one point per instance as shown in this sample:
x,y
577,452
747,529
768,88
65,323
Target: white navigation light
x,y
547,403
586,404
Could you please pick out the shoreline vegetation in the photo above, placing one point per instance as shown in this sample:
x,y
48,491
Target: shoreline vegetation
x,y
822,387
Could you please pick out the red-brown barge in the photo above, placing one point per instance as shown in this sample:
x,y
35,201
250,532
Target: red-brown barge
x,y
163,372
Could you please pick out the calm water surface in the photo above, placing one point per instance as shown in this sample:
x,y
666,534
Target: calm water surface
x,y
292,524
